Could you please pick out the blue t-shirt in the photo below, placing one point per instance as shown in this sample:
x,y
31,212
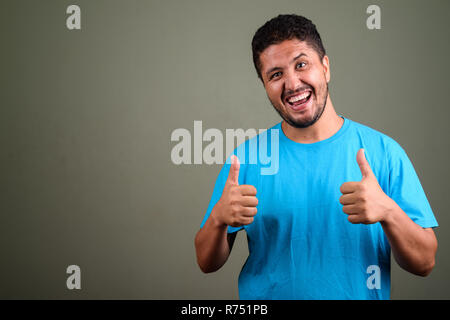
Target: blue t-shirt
x,y
301,245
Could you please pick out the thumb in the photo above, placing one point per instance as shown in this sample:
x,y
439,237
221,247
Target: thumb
x,y
363,164
233,175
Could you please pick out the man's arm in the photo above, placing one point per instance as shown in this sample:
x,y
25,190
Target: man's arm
x,y
364,201
414,247
236,207
213,245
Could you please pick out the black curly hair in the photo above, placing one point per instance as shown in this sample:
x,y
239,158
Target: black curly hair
x,y
285,27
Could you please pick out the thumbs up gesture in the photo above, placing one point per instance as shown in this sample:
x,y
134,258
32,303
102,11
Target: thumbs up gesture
x,y
364,201
237,206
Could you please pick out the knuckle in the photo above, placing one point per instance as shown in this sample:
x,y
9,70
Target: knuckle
x,y
235,224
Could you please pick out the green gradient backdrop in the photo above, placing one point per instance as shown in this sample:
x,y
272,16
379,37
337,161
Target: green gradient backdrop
x,y
86,117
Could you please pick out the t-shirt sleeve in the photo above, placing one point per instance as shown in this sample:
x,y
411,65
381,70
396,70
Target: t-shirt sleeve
x,y
217,193
406,189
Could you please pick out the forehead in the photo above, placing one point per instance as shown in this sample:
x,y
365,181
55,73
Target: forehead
x,y
281,54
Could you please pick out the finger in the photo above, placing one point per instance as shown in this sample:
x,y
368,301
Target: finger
x,y
249,201
349,187
246,220
247,190
364,166
249,211
355,219
233,175
348,198
350,209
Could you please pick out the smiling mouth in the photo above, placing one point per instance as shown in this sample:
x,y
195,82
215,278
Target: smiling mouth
x,y
300,100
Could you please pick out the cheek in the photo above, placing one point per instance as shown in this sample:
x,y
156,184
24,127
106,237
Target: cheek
x,y
274,92
318,82
277,90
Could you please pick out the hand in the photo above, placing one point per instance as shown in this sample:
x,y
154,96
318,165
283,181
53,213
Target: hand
x,y
364,201
237,205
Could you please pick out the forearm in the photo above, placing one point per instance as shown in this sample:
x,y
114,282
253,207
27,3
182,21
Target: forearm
x,y
413,247
212,245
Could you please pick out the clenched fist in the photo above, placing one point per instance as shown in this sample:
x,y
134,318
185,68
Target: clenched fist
x,y
364,201
237,206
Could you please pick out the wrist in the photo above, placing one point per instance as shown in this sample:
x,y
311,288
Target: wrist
x,y
389,211
216,218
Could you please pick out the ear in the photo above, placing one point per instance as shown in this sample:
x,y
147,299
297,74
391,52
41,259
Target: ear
x,y
326,67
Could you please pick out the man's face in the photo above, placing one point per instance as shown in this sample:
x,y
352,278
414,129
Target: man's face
x,y
296,81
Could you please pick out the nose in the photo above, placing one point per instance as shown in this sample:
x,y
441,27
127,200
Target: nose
x,y
292,82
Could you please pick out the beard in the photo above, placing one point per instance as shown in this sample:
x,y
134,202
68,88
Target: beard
x,y
304,123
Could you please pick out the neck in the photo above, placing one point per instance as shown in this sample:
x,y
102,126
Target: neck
x,y
328,124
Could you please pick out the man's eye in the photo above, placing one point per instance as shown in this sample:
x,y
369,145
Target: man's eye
x,y
276,74
301,65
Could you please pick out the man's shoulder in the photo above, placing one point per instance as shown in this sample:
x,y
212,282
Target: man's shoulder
x,y
367,133
257,146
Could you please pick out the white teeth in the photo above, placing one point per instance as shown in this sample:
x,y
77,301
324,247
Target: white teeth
x,y
299,97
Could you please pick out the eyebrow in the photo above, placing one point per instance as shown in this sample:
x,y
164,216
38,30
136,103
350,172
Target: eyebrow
x,y
279,68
